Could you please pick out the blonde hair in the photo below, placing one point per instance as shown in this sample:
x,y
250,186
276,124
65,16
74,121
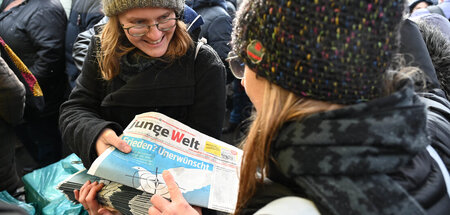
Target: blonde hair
x,y
114,45
279,106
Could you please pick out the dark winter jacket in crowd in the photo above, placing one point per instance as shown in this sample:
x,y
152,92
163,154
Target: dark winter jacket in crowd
x,y
192,93
35,31
12,104
81,44
83,15
438,122
231,8
422,177
341,159
415,51
218,24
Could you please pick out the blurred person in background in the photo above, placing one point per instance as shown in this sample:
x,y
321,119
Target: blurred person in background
x,y
35,30
442,8
12,105
419,4
424,177
217,31
84,14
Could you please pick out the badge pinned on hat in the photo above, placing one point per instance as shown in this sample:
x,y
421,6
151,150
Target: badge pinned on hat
x,y
255,51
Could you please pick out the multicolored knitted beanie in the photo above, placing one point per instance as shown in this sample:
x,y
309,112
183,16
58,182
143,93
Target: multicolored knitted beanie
x,y
115,7
334,51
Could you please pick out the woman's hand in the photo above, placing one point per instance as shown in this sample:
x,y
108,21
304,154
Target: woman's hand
x,y
178,205
87,197
108,138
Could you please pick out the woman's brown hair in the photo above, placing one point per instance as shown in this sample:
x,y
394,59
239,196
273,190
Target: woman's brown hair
x,y
114,45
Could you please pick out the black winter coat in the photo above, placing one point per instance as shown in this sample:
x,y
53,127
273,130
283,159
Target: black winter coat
x,y
83,15
35,31
218,25
192,93
217,28
422,177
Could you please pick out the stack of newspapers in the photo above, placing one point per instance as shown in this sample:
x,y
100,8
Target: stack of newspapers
x,y
205,169
116,196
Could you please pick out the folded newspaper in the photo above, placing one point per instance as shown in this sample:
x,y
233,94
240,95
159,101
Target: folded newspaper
x,y
205,169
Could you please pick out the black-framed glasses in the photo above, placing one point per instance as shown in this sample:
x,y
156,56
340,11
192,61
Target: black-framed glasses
x,y
236,65
140,30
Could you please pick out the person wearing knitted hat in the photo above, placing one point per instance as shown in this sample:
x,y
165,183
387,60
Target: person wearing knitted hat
x,y
144,60
335,114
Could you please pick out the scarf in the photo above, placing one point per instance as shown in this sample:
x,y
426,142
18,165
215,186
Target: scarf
x,y
34,97
136,62
341,159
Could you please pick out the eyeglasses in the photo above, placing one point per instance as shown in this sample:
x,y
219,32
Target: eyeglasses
x,y
236,65
140,30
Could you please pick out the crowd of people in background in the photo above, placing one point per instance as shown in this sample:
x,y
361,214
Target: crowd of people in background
x,y
340,108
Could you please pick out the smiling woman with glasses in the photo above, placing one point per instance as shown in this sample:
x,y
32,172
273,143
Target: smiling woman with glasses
x,y
144,60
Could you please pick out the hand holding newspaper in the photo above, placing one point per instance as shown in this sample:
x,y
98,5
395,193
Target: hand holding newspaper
x,y
205,169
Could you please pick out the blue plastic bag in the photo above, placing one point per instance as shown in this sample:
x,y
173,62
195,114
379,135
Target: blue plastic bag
x,y
40,187
5,197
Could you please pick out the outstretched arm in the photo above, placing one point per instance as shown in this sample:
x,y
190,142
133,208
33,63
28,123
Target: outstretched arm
x,y
82,124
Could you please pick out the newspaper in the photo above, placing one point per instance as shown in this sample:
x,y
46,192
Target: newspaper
x,y
205,169
113,195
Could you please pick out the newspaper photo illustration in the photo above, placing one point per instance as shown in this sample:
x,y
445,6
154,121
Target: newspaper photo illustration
x,y
205,169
